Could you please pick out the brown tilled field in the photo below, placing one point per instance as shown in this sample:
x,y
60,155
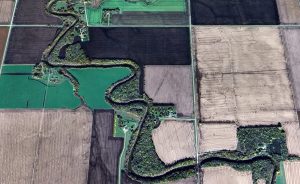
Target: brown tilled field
x,y
226,175
6,8
244,76
3,37
216,137
170,84
289,11
174,140
45,146
291,171
292,131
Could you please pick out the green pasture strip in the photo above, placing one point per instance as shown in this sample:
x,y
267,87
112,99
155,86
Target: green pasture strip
x,y
95,14
280,179
93,83
19,90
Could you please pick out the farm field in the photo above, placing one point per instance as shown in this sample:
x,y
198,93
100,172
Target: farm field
x,y
62,138
33,12
105,149
150,46
20,90
170,84
240,12
150,18
191,180
291,39
246,79
226,175
22,51
3,37
174,140
6,8
95,15
289,11
291,171
292,131
93,82
216,137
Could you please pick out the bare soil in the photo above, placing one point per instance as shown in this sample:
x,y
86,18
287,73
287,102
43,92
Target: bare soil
x,y
6,9
226,175
45,146
105,149
34,12
292,131
216,137
3,37
291,171
289,11
170,84
26,45
174,140
243,75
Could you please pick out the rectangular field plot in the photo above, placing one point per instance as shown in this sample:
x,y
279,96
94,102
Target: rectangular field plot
x,y
20,90
33,12
170,84
218,12
3,38
289,11
145,46
111,11
244,76
26,45
40,146
105,149
292,39
6,10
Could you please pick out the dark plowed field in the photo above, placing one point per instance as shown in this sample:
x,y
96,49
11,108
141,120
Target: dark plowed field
x,y
27,44
33,12
142,18
146,46
209,12
105,149
3,36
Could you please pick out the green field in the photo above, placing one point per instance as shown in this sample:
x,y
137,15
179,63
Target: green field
x,y
20,90
95,81
280,179
94,15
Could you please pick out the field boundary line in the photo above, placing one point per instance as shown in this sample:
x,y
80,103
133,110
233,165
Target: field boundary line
x,y
32,25
85,13
196,126
8,35
177,119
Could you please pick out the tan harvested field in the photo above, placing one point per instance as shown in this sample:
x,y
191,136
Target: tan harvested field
x,y
292,171
292,131
174,140
44,147
3,37
291,39
170,84
6,9
289,11
226,175
244,76
216,137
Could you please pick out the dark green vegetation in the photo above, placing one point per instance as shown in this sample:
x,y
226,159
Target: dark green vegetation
x,y
260,149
